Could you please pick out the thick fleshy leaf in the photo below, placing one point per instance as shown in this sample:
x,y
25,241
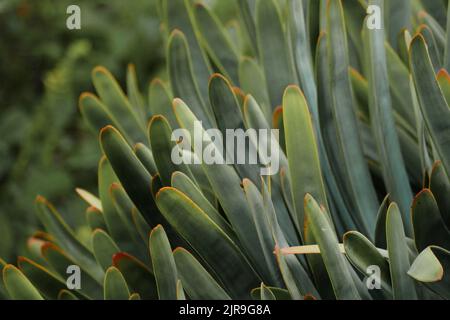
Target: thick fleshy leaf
x,y
138,276
440,187
115,287
18,286
274,52
160,101
209,241
402,286
197,282
91,199
266,293
104,248
429,228
434,108
280,294
363,254
65,237
335,263
164,266
145,155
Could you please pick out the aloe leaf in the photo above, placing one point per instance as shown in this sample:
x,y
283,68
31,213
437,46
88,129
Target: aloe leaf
x,y
302,54
115,286
430,268
95,219
335,263
66,295
104,248
183,183
132,174
178,15
380,229
91,199
124,207
197,282
182,78
433,50
264,231
228,115
145,156
266,293
18,286
363,254
429,228
380,105
133,93
134,296
45,281
164,266
356,169
437,10
402,286
294,273
65,237
447,43
397,17
440,187
444,83
95,113
160,135
304,165
246,15
180,291
220,252
224,177
434,108
60,261
274,53
278,293
252,81
138,276
217,42
160,101
117,103
141,225
117,225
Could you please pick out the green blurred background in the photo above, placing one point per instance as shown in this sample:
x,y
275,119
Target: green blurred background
x,y
45,148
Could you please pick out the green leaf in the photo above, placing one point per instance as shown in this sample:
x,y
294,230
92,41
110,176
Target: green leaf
x,y
380,229
117,104
104,248
59,261
138,276
182,79
280,294
266,293
363,254
66,295
434,108
274,52
429,228
160,135
304,164
336,265
444,83
48,284
115,286
145,156
180,291
403,286
95,113
183,183
164,266
431,267
397,17
198,283
18,286
91,199
224,177
65,237
217,42
209,241
383,126
440,187
356,169
133,93
160,101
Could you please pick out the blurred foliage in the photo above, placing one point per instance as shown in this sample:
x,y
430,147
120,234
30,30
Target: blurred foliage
x,y
44,146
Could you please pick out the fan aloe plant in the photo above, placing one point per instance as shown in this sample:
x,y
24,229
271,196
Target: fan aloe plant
x,y
363,195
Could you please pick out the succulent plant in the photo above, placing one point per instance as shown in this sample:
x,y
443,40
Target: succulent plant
x,y
364,123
